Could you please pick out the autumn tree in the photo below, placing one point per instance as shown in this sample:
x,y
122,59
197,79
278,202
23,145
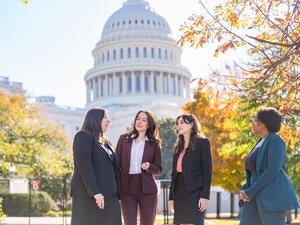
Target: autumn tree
x,y
216,110
270,31
36,148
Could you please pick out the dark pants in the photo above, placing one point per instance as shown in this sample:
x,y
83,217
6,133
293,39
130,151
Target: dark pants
x,y
135,200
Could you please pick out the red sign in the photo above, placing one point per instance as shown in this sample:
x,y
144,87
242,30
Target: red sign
x,y
35,185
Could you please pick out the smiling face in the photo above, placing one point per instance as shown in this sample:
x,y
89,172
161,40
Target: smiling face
x,y
105,123
184,128
141,123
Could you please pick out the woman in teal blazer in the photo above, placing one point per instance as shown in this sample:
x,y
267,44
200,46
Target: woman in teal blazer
x,y
268,191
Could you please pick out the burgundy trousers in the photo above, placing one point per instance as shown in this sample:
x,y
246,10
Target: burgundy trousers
x,y
135,201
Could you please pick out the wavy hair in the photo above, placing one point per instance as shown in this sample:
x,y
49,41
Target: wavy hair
x,y
195,134
152,132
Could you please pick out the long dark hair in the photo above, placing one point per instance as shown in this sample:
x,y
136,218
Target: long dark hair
x,y
195,134
152,132
92,123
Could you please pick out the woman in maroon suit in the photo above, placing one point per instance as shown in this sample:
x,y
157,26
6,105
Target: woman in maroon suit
x,y
139,152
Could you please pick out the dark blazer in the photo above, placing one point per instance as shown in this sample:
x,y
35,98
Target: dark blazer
x,y
196,169
94,171
152,154
270,183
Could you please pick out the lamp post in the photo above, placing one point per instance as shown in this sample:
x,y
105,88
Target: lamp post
x,y
12,169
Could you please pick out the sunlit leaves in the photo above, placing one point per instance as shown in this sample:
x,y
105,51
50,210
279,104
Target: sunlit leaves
x,y
29,141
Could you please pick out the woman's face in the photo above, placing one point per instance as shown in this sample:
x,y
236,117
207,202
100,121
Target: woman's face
x,y
183,128
141,122
257,126
105,123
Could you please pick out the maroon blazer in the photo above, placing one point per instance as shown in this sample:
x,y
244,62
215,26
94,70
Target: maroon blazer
x,y
152,154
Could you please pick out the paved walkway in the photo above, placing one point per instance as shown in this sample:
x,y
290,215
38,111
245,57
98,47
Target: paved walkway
x,y
36,221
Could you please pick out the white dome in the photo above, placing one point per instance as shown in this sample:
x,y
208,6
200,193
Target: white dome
x,y
137,63
135,17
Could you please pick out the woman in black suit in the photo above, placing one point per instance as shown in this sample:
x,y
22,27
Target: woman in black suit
x,y
191,173
95,183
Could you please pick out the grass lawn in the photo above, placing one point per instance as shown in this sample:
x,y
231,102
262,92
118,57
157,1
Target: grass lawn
x,y
225,222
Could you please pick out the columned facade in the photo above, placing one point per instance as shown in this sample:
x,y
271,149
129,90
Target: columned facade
x,y
136,66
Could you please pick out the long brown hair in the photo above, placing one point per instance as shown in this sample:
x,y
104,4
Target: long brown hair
x,y
92,123
195,134
152,132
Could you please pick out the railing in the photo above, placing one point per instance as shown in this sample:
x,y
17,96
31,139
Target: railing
x,y
221,204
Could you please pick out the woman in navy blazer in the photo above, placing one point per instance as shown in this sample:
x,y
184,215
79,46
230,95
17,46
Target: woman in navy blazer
x,y
268,192
95,183
191,173
139,152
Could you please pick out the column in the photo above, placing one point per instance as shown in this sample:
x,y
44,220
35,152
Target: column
x,y
170,84
176,84
161,83
124,86
88,88
151,82
133,82
143,82
181,86
115,85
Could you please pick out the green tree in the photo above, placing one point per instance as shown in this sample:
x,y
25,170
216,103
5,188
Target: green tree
x,y
33,145
167,134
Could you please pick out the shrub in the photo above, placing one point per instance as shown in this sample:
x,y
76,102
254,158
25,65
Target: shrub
x,y
18,204
2,214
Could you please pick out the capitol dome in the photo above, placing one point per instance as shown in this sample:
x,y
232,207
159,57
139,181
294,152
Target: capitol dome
x,y
135,19
137,64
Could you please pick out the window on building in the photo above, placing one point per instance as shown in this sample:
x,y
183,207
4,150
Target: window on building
x,y
108,56
155,84
159,53
146,84
114,54
129,84
152,53
138,83
129,52
174,85
145,52
102,87
166,54
137,55
120,85
121,53
103,58
171,56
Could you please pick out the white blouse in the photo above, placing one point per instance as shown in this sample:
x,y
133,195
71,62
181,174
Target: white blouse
x,y
136,156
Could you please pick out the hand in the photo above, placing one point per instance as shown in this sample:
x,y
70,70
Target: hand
x,y
99,200
171,206
145,165
244,196
202,204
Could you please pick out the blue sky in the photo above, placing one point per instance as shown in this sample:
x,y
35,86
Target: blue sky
x,y
47,44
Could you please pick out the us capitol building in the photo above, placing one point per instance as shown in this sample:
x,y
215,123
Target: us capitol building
x,y
136,66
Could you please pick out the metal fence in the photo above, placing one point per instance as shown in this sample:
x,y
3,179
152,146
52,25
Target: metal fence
x,y
221,204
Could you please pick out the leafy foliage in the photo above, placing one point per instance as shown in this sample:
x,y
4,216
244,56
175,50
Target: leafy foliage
x,y
33,145
269,30
168,136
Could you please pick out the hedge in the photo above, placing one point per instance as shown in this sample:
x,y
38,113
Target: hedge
x,y
18,204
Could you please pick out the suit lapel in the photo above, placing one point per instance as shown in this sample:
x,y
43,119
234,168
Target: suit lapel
x,y
261,153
